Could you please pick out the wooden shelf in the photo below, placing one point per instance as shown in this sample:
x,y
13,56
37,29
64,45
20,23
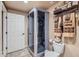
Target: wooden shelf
x,y
67,10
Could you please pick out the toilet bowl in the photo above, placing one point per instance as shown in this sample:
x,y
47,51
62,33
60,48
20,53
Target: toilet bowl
x,y
51,54
58,50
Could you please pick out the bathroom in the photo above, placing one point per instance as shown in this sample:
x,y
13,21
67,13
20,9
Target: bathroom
x,y
52,29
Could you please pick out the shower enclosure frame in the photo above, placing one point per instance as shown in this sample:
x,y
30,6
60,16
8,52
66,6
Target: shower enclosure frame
x,y
35,11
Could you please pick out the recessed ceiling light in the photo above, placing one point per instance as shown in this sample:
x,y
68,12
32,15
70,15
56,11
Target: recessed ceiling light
x,y
25,1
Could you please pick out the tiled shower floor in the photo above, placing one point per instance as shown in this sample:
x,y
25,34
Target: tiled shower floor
x,y
21,53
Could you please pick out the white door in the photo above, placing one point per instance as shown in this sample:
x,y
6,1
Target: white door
x,y
15,34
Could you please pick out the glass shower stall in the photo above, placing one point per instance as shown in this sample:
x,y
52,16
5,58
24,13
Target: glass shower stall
x,y
37,31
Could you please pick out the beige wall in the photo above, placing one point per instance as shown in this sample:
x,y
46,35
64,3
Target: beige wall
x,y
71,50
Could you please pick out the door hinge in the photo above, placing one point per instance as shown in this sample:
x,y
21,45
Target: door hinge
x,y
6,17
2,11
6,48
6,32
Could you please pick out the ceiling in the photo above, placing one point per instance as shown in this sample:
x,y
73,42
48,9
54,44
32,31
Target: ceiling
x,y
25,7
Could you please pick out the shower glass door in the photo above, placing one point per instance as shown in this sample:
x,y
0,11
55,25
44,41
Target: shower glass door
x,y
41,32
31,31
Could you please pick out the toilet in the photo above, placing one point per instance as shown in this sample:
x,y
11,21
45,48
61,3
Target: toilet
x,y
58,49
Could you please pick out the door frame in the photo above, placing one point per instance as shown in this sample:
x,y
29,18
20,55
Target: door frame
x,y
4,49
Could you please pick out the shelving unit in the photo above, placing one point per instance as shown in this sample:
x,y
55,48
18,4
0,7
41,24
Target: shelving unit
x,y
69,22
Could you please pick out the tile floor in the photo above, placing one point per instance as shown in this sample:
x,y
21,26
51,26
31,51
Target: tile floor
x,y
21,53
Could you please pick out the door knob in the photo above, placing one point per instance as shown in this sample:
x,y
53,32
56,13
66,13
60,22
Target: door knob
x,y
22,33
